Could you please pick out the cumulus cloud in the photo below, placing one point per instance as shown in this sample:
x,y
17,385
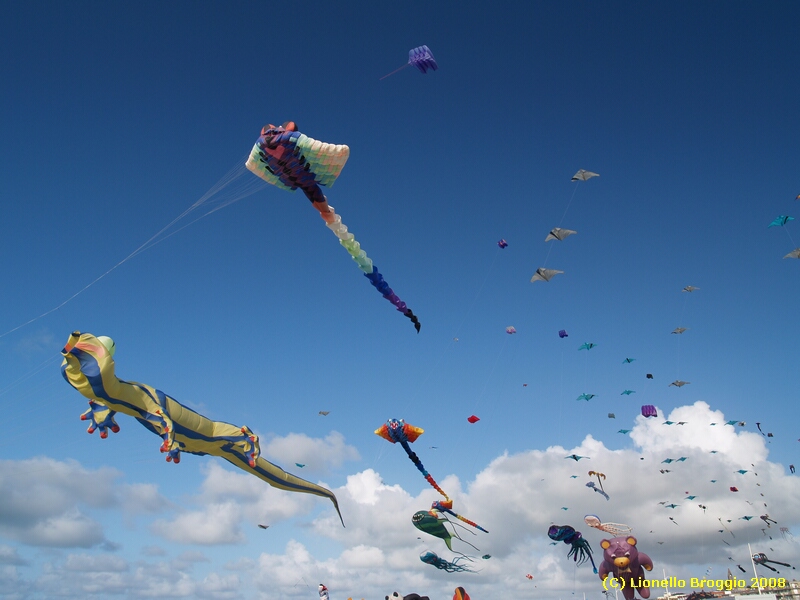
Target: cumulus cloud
x,y
41,500
317,454
10,556
45,502
516,497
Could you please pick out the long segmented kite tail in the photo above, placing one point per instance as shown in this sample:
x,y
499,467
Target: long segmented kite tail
x,y
364,262
438,506
418,463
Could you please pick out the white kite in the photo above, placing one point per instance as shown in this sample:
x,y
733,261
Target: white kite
x,y
583,175
690,288
617,529
543,274
793,254
679,330
559,234
679,383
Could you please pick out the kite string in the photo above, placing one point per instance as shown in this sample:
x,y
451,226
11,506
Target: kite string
x,y
395,71
442,354
564,216
228,178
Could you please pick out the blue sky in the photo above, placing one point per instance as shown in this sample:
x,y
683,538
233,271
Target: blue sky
x,y
119,117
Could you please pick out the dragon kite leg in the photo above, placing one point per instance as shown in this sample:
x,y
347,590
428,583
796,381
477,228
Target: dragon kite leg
x,y
289,160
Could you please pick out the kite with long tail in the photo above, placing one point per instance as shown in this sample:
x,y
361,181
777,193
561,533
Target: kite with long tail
x,y
290,160
398,431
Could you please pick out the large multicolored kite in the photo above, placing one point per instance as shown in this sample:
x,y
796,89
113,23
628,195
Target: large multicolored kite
x,y
88,366
290,160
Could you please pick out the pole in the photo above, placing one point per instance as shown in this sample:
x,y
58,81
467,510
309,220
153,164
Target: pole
x,y
752,562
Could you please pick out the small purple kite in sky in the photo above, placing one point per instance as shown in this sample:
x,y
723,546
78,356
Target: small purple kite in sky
x,y
421,57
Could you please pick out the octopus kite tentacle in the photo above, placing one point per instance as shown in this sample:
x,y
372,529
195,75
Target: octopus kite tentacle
x,y
432,558
580,550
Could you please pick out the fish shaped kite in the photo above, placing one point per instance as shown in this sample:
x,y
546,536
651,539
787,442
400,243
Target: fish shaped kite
x,y
559,234
89,367
593,485
431,523
543,274
290,160
583,175
398,431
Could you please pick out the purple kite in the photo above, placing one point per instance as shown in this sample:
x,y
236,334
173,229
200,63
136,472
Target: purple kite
x,y
420,57
502,244
648,410
563,333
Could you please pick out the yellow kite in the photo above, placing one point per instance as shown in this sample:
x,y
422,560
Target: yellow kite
x,y
88,366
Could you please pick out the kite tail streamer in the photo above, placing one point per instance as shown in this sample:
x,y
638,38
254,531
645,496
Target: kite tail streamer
x,y
364,262
418,463
443,507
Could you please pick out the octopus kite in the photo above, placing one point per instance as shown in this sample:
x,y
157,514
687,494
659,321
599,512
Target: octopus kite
x,y
290,160
580,550
432,558
615,529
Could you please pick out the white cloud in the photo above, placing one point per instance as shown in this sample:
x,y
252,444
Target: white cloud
x,y
40,502
516,497
318,455
10,556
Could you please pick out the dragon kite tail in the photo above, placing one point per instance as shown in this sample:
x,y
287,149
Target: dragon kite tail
x,y
364,262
